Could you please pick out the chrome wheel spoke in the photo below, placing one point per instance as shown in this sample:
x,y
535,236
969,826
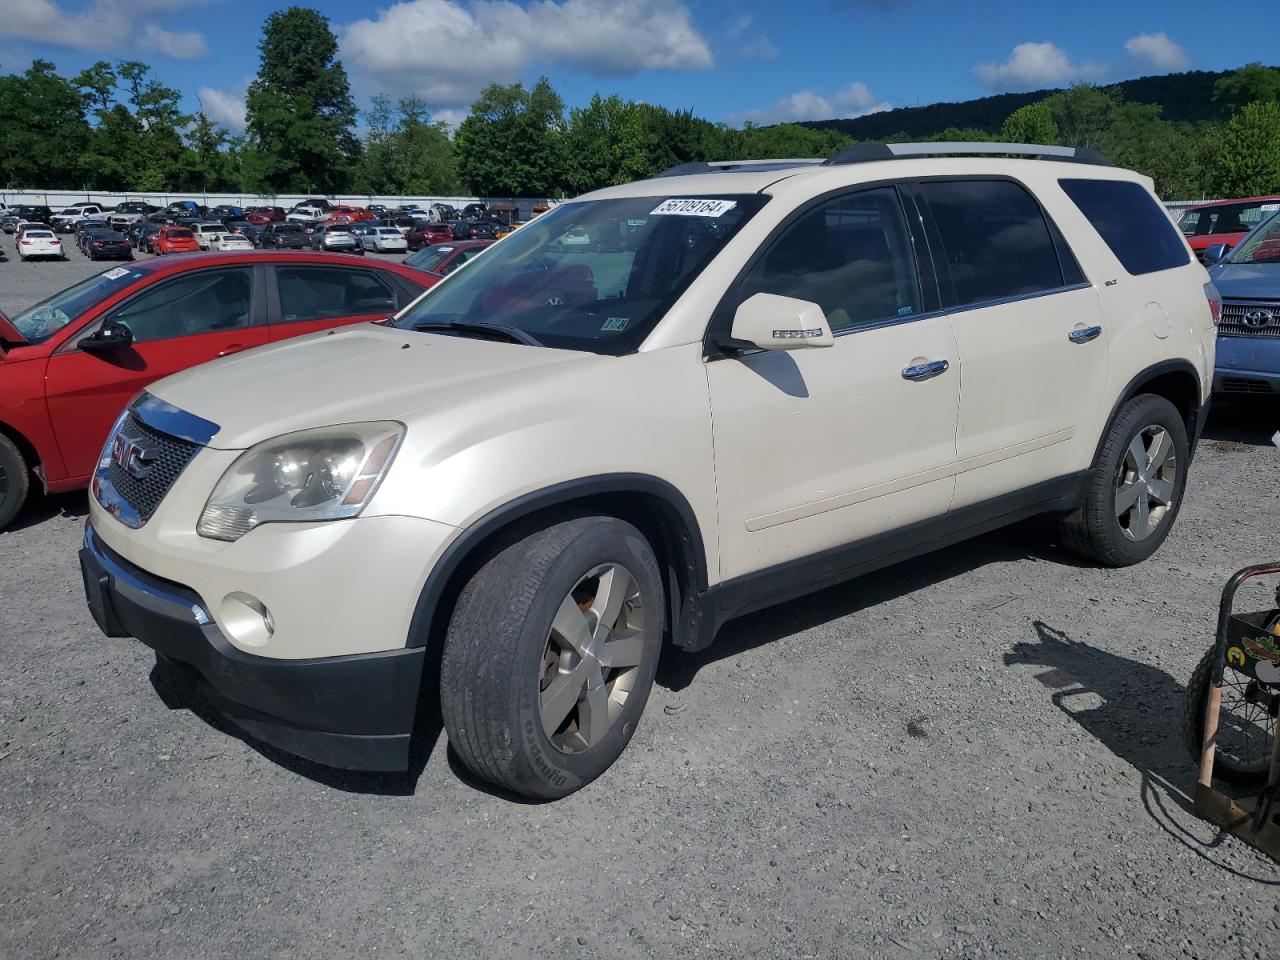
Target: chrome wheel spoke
x,y
1127,496
593,715
1161,490
1137,455
1161,449
1141,516
623,651
614,588
558,699
571,625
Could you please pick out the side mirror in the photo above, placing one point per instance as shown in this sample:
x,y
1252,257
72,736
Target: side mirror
x,y
771,322
112,335
1216,253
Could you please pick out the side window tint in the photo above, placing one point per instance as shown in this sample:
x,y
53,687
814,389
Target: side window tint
x,y
319,293
852,256
1132,224
203,301
994,237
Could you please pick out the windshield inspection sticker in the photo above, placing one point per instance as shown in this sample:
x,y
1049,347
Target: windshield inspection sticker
x,y
115,273
694,207
616,323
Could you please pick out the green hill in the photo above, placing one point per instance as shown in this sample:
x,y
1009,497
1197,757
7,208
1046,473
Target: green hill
x,y
1185,97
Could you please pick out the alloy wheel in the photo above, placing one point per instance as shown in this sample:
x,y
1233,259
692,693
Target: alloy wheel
x,y
592,657
1146,482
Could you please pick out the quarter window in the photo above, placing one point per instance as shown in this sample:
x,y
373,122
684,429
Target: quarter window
x,y
204,301
995,242
319,293
852,256
1132,224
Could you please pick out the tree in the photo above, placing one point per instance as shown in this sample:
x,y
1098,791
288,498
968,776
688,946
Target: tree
x,y
1030,124
1139,139
405,151
1250,83
43,130
512,143
1082,113
299,109
1248,159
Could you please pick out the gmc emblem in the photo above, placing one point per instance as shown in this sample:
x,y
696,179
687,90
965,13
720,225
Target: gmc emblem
x,y
132,457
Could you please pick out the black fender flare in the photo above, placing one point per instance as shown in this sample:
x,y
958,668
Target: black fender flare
x,y
1133,388
683,546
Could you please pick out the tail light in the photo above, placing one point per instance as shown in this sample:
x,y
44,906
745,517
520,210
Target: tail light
x,y
1215,302
25,243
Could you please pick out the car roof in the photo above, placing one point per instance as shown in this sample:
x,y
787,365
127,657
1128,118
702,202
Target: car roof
x,y
185,261
1272,198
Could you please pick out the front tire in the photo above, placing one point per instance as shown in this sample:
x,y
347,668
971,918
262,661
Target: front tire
x,y
550,656
15,481
1135,487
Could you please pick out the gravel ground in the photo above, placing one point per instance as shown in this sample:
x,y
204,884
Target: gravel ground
x,y
974,754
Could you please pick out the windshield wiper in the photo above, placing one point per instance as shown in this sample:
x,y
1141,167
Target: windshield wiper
x,y
514,334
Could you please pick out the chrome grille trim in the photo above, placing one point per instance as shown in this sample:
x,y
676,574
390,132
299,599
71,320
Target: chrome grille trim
x,y
1239,318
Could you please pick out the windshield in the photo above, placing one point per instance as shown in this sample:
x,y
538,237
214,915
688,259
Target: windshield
x,y
1261,246
428,258
179,235
1226,217
42,321
591,276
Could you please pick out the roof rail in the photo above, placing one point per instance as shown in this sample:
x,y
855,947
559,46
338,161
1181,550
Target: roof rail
x,y
868,152
731,166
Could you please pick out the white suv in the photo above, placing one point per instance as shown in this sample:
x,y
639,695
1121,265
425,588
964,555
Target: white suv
x,y
754,381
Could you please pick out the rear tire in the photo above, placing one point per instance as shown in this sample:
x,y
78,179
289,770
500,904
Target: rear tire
x,y
550,656
15,481
1135,487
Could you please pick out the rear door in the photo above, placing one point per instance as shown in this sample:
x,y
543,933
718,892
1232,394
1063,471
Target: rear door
x,y
304,298
1031,334
177,322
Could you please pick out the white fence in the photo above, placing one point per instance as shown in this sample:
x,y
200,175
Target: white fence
x,y
57,199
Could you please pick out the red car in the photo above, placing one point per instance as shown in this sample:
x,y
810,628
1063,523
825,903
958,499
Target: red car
x,y
264,216
442,259
1224,221
174,240
70,364
353,214
423,234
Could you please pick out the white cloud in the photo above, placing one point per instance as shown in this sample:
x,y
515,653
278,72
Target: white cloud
x,y
445,51
855,100
224,107
112,26
1033,66
181,45
1158,50
746,43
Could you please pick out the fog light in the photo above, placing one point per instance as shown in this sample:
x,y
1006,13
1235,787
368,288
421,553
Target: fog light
x,y
247,619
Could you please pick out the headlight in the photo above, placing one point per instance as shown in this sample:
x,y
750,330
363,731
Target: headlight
x,y
329,473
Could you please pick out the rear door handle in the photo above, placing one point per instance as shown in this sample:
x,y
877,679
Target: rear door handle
x,y
926,371
1084,334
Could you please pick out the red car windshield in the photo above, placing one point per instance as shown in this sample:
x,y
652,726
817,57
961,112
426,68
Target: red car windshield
x,y
46,318
179,235
591,276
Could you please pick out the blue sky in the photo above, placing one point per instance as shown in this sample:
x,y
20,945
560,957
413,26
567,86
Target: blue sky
x,y
757,60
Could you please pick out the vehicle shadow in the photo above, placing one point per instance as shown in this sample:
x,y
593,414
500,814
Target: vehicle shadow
x,y
1139,720
1034,539
180,689
74,505
1253,422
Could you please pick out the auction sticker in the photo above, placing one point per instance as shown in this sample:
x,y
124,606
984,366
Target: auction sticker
x,y
116,273
694,207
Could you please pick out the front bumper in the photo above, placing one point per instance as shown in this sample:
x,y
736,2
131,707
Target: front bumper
x,y
1247,365
355,712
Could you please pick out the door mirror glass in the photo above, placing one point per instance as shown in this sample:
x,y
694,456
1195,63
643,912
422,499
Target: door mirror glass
x,y
1216,253
773,322
112,335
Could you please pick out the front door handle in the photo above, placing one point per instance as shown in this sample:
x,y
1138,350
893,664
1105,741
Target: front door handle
x,y
926,371
234,348
1084,334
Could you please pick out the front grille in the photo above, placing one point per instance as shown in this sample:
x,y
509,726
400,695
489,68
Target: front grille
x,y
163,457
1250,318
1244,385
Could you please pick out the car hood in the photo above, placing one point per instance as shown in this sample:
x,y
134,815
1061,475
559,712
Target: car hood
x,y
351,375
1250,281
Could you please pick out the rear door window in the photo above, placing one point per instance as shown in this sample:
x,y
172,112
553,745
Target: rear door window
x,y
1130,222
321,293
996,243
